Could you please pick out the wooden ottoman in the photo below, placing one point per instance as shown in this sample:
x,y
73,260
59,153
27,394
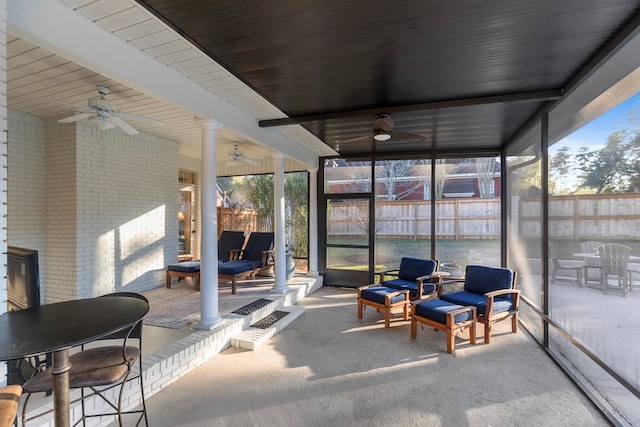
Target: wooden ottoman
x,y
383,299
184,269
444,316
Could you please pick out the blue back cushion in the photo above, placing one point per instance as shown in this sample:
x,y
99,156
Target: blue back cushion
x,y
228,241
480,279
257,243
412,268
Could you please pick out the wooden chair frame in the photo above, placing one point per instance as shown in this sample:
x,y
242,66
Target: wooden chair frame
x,y
488,318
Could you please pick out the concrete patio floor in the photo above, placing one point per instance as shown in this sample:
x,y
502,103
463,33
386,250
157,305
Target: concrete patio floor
x,y
330,368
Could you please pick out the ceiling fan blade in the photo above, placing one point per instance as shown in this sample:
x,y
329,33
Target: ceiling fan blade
x,y
75,118
360,138
249,161
234,163
139,119
406,137
123,125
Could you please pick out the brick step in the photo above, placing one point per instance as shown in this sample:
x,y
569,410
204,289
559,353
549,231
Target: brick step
x,y
256,335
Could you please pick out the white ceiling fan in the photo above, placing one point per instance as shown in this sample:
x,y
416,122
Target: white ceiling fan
x,y
104,114
238,157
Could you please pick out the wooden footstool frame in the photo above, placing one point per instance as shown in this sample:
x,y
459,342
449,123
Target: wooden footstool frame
x,y
386,306
450,327
195,275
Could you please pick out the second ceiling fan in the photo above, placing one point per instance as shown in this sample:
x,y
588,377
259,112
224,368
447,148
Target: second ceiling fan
x,y
383,130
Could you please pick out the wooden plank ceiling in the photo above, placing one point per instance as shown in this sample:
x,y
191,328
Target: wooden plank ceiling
x,y
459,75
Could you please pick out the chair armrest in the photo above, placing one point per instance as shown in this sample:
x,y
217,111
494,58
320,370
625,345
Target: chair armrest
x,y
498,292
267,257
515,301
436,275
235,254
440,285
391,272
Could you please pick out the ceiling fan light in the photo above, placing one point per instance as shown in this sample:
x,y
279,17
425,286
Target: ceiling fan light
x,y
101,123
382,136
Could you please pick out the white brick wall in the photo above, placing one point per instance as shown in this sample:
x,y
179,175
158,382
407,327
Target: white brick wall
x,y
126,201
26,184
60,201
3,164
98,205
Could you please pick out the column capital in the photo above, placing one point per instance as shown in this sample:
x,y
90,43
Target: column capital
x,y
312,170
208,124
279,156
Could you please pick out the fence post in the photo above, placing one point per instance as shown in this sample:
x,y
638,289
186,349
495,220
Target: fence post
x,y
415,220
455,219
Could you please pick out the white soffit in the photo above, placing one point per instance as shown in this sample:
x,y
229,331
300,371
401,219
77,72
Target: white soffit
x,y
134,25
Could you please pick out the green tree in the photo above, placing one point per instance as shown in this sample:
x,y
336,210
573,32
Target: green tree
x,y
560,165
257,190
616,167
606,170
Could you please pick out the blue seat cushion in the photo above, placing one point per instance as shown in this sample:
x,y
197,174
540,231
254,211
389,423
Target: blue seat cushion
x,y
185,267
412,268
378,294
238,266
410,285
437,310
480,279
479,301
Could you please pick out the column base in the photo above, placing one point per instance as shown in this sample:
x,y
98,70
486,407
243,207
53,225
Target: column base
x,y
208,324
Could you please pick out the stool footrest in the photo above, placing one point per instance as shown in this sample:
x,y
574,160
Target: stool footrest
x,y
383,299
444,316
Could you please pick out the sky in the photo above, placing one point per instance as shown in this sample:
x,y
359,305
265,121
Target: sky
x,y
595,133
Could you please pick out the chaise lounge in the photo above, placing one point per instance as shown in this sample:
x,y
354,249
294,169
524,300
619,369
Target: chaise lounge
x,y
256,256
229,243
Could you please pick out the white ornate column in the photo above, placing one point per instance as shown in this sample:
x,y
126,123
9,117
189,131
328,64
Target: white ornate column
x,y
209,317
280,267
313,222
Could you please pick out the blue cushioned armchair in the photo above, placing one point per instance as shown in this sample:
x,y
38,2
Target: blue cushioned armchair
x,y
416,275
492,291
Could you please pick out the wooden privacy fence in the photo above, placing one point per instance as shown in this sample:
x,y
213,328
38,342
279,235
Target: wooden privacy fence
x,y
601,216
240,220
591,217
455,219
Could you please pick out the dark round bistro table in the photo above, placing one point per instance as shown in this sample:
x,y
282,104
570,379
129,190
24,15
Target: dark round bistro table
x,y
55,328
